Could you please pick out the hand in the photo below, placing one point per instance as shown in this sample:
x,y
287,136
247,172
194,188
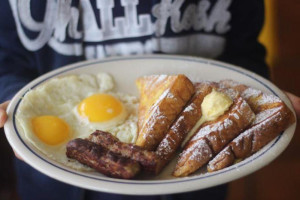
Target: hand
x,y
3,118
3,115
295,102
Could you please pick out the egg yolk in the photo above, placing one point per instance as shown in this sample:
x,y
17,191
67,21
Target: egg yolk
x,y
100,107
50,129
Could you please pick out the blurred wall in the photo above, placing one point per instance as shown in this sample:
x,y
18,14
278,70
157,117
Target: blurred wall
x,y
281,36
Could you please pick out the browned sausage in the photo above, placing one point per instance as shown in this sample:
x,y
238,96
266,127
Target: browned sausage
x,y
101,159
147,159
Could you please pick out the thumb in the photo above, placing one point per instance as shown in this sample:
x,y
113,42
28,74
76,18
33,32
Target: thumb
x,y
295,100
3,115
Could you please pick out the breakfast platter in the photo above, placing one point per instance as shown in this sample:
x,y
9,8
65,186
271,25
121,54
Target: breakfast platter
x,y
66,96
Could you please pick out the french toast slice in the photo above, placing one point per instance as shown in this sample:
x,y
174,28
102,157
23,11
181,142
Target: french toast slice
x,y
212,136
162,98
272,117
184,123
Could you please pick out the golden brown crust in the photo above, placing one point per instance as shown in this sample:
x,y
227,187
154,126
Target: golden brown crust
x,y
182,125
272,117
162,99
212,136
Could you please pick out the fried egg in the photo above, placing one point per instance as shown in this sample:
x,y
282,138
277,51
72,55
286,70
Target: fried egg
x,y
74,106
101,111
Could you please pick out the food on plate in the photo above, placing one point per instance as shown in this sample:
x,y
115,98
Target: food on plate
x,y
162,97
82,122
213,115
63,108
224,114
101,159
184,123
101,111
272,117
50,134
148,159
107,154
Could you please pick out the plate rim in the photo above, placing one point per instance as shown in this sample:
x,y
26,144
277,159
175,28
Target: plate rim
x,y
17,99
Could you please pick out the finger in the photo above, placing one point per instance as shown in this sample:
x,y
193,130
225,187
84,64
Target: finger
x,y
3,118
18,156
3,115
4,105
295,100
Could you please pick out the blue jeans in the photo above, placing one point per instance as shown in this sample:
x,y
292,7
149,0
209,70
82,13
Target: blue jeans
x,y
33,185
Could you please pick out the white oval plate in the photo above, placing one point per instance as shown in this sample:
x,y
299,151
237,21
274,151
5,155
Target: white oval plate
x,y
125,71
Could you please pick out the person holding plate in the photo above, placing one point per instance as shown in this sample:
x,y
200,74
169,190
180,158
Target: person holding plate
x,y
39,36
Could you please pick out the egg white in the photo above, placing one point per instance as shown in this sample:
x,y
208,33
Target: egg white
x,y
60,97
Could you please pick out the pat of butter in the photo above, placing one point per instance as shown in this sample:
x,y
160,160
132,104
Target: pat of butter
x,y
213,105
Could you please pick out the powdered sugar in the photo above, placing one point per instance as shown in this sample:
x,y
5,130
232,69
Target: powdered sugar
x,y
244,111
236,116
218,158
190,107
265,114
161,78
170,95
227,123
230,92
263,119
260,127
164,148
199,151
251,92
268,99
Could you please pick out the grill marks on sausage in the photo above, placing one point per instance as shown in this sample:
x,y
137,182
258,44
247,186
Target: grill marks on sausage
x,y
148,159
101,159
106,154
